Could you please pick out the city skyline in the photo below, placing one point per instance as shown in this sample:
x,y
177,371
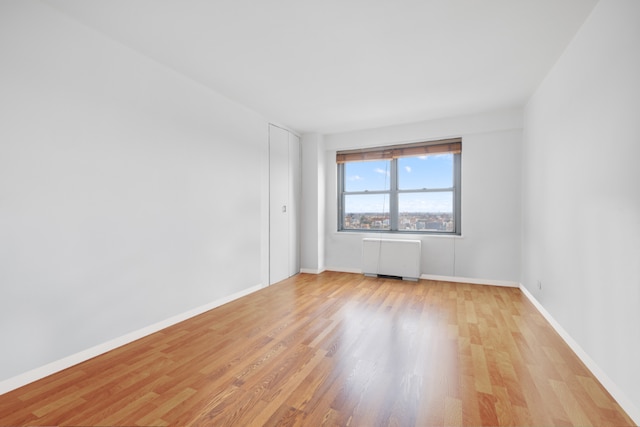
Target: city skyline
x,y
407,221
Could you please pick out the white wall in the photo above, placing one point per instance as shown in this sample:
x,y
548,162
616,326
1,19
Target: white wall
x,y
581,183
489,248
312,228
128,193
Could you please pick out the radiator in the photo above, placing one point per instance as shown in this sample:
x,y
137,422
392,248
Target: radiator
x,y
388,257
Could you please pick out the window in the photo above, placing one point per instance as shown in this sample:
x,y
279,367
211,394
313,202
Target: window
x,y
413,188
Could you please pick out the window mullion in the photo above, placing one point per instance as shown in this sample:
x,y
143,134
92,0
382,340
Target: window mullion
x,y
393,196
428,190
457,199
356,193
341,196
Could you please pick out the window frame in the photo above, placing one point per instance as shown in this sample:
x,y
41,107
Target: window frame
x,y
394,192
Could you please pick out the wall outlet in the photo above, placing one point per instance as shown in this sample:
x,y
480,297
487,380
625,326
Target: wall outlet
x,y
539,285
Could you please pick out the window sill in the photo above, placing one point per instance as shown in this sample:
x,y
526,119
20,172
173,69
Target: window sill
x,y
393,234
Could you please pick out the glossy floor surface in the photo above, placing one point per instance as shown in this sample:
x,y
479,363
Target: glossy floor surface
x,y
335,349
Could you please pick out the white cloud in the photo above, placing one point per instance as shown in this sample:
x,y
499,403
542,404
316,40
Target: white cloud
x,y
408,168
355,178
382,171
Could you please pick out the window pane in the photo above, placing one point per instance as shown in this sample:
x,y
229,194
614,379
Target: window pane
x,y
425,172
426,211
367,176
366,211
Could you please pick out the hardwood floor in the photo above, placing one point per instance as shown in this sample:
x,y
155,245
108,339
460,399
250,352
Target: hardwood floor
x,y
335,349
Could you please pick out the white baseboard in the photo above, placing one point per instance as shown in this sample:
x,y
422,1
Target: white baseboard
x,y
627,404
344,270
66,362
436,277
311,271
471,280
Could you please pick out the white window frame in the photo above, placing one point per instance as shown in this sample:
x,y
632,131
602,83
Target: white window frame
x,y
394,192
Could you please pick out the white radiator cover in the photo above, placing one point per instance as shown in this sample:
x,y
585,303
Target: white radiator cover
x,y
391,257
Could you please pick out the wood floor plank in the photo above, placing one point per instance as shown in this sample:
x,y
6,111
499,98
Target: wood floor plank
x,y
335,349
52,384
453,412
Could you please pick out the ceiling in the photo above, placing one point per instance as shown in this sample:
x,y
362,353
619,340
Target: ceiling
x,y
336,65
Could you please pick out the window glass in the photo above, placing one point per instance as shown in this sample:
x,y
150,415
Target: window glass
x,y
430,211
425,172
366,211
367,176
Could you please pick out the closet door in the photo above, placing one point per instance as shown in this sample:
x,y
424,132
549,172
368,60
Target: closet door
x,y
295,191
284,204
278,204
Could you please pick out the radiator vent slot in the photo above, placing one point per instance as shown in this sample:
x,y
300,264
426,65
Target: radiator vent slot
x,y
391,257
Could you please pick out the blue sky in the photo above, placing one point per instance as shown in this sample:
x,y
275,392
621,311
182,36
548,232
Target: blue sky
x,y
434,171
